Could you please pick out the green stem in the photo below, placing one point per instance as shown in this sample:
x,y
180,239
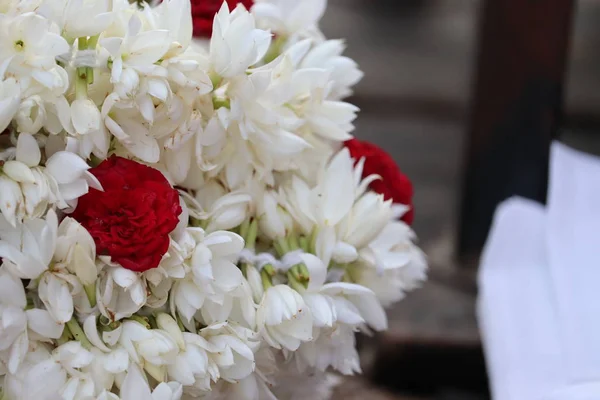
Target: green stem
x,y
252,233
244,230
293,242
142,320
78,333
89,71
65,337
294,284
90,292
266,279
152,322
215,79
312,244
269,269
283,246
295,271
304,271
81,81
275,49
304,243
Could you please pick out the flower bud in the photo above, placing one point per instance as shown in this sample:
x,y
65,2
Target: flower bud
x,y
85,116
18,171
254,280
31,115
344,253
169,325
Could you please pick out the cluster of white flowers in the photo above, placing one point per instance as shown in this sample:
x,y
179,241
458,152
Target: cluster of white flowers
x,y
282,252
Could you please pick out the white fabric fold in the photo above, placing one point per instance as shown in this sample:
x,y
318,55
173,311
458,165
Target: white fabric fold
x,y
516,315
539,280
573,242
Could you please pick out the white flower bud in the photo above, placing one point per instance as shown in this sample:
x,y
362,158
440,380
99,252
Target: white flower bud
x,y
31,115
85,116
169,325
344,253
255,282
18,171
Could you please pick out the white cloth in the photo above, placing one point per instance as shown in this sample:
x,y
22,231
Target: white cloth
x,y
539,280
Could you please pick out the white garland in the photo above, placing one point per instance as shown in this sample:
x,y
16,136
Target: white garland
x,y
281,252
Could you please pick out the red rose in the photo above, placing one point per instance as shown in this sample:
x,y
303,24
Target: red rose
x,y
393,183
131,220
203,13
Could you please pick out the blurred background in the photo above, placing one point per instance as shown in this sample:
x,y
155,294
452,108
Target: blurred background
x,y
434,75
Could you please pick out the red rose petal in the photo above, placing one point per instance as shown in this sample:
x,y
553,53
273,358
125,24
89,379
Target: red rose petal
x,y
131,220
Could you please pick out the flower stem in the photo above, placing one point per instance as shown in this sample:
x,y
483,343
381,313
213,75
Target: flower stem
x,y
265,279
81,79
270,270
304,243
281,243
90,292
312,244
275,49
252,233
294,284
89,71
216,79
293,242
65,337
244,230
142,320
78,333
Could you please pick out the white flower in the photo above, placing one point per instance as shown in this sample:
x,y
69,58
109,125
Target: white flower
x,y
120,292
192,367
76,250
175,16
283,319
136,387
213,281
153,349
10,95
137,49
15,321
391,265
31,115
274,221
256,386
236,44
97,17
325,117
58,370
344,70
30,44
233,349
27,249
333,347
338,310
289,17
224,210
105,366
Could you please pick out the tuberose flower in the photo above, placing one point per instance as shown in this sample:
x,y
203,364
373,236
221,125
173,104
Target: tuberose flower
x,y
131,219
393,183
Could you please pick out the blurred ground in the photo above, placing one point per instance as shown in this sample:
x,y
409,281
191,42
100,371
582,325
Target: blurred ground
x,y
418,56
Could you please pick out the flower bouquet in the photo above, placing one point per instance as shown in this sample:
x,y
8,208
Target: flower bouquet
x,y
187,218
